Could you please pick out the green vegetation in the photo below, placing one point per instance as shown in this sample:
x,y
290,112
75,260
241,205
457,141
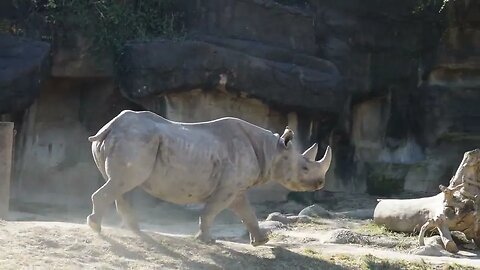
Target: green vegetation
x,y
370,262
310,251
437,5
109,24
374,229
373,263
398,241
457,267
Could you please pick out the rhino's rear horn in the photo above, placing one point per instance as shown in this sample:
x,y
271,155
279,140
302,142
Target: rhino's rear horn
x,y
311,152
287,135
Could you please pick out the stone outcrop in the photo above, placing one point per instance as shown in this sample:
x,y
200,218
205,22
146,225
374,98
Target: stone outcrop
x,y
190,65
23,67
264,21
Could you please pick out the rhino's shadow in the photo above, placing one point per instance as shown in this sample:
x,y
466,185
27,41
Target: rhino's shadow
x,y
282,259
153,246
228,258
121,250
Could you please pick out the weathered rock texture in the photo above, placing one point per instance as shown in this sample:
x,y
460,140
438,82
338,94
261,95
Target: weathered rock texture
x,y
53,158
391,86
23,67
205,66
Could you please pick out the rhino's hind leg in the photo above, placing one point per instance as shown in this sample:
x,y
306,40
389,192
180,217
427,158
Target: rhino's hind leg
x,y
217,203
126,212
101,199
128,163
242,208
111,191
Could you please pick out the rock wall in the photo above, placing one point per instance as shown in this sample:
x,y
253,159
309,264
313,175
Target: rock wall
x,y
392,86
53,156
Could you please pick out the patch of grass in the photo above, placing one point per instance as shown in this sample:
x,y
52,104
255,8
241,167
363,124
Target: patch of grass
x,y
456,266
370,262
340,260
345,261
316,223
386,238
405,243
310,251
373,229
276,236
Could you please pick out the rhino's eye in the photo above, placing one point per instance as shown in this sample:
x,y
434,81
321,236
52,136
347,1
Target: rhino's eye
x,y
305,168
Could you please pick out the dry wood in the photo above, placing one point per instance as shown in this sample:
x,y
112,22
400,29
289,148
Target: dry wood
x,y
455,208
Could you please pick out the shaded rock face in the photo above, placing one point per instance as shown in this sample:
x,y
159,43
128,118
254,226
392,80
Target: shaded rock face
x,y
23,67
449,93
195,64
265,22
53,162
73,58
391,88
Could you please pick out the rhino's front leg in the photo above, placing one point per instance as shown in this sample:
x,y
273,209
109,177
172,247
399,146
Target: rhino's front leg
x,y
217,203
242,208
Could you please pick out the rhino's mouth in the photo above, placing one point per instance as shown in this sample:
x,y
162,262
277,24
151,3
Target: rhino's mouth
x,y
311,186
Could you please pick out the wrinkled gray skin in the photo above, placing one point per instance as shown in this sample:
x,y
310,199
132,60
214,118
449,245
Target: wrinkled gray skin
x,y
212,162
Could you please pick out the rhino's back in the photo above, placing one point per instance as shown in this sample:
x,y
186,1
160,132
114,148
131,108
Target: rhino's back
x,y
193,158
188,162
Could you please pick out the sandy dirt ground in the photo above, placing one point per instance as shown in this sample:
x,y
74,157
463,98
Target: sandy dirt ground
x,y
51,239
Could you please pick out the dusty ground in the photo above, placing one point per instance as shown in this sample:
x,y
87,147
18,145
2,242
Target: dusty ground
x,y
39,237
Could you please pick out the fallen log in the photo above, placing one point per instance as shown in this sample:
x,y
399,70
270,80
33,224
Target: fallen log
x,y
455,208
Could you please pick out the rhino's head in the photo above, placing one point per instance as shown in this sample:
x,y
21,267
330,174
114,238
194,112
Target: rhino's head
x,y
300,172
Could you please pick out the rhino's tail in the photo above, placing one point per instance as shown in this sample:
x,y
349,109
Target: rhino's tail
x,y
100,134
103,132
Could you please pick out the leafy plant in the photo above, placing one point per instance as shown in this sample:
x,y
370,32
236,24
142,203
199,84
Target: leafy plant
x,y
438,5
111,23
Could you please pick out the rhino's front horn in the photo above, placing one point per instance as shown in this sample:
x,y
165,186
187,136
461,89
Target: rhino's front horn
x,y
311,152
326,160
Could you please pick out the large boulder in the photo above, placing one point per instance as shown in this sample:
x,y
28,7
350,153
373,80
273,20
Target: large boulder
x,y
363,38
265,21
23,66
161,67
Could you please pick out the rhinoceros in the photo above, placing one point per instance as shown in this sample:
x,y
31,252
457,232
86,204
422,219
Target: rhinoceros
x,y
213,162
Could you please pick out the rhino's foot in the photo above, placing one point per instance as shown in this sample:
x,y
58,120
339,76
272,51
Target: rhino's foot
x,y
94,225
259,242
207,239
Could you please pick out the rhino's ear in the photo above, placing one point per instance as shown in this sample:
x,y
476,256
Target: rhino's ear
x,y
287,136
